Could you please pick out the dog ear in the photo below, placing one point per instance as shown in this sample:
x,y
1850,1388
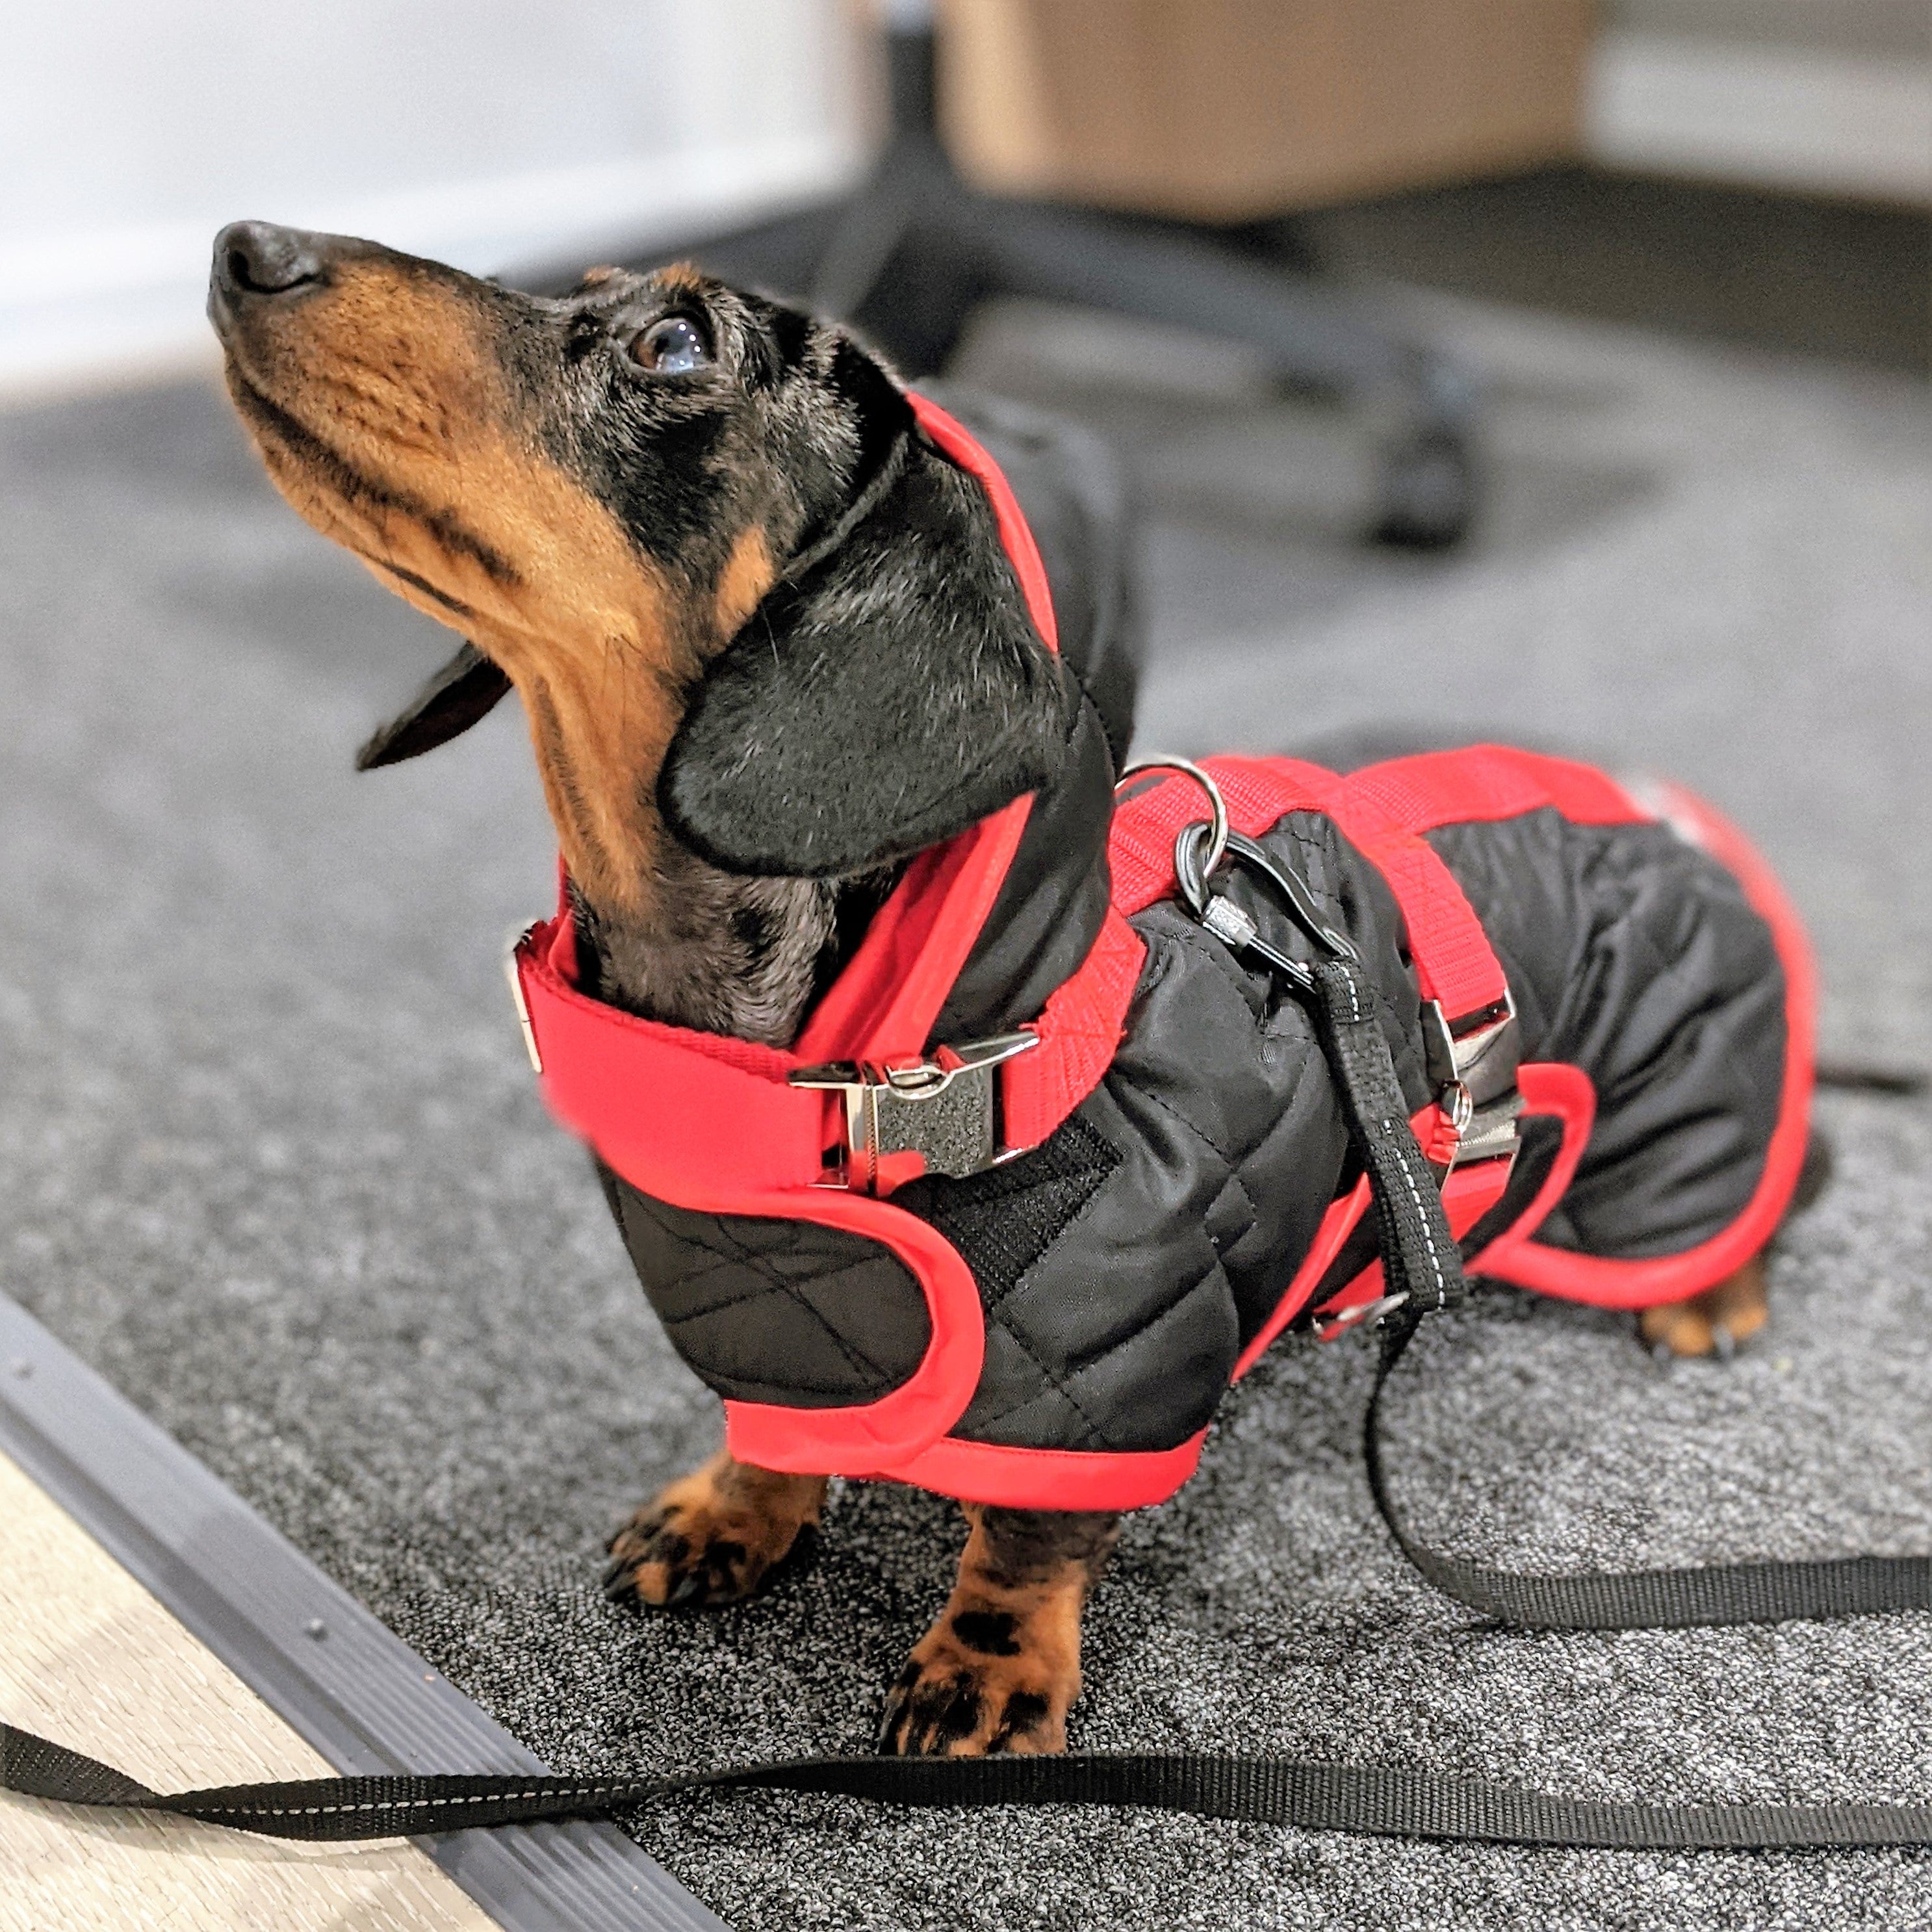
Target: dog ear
x,y
877,701
465,689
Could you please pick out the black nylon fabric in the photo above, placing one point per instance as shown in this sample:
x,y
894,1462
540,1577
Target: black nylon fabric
x,y
1220,1105
1635,956
1384,1799
762,1310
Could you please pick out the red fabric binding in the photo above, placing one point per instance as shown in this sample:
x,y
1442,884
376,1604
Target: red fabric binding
x,y
1551,1089
1067,1479
1410,796
1487,782
1080,1030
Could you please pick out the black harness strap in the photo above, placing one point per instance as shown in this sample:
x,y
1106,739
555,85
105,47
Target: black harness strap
x,y
1422,1269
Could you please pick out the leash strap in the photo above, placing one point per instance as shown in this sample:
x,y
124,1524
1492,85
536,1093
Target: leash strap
x,y
1422,1266
1730,1593
1382,1800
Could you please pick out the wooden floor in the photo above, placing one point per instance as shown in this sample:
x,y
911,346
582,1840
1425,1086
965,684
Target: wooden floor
x,y
89,1658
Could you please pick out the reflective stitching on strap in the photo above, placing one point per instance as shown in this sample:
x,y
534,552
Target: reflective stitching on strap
x,y
1389,1126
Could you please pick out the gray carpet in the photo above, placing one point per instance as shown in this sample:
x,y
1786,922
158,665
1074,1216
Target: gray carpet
x,y
270,1156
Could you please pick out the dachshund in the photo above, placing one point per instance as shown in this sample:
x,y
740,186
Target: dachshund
x,y
652,506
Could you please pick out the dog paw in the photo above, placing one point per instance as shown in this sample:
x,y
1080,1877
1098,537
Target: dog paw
x,y
1717,1322
972,1687
711,1537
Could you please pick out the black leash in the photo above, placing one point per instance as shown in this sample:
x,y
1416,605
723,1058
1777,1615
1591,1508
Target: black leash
x,y
1423,1272
1732,1593
1383,1802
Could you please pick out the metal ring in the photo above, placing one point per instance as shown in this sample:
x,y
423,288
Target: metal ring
x,y
1217,833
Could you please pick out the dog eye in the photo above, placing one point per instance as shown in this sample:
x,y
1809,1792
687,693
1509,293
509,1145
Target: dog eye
x,y
671,347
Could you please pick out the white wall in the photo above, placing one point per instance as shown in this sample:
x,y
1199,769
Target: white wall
x,y
1833,97
480,131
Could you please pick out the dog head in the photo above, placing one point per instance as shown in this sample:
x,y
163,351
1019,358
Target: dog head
x,y
744,603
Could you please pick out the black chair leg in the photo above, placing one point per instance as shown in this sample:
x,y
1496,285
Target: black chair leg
x,y
908,257
1314,334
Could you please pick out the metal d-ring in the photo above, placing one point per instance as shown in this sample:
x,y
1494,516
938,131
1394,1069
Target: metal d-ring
x,y
1218,828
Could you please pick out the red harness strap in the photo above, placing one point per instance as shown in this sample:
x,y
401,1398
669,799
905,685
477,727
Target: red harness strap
x,y
1454,962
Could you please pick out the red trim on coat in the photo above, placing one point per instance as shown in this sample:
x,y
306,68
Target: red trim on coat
x,y
1482,783
884,1004
1060,1479
885,1001
1344,1215
1081,1027
1551,1088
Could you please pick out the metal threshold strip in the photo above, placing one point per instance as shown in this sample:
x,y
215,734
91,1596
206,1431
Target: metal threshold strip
x,y
321,1661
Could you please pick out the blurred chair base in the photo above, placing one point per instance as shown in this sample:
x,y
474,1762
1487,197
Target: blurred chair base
x,y
908,257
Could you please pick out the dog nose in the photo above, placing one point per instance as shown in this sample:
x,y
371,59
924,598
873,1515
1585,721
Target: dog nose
x,y
260,258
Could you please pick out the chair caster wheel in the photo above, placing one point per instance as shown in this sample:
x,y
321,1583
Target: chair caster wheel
x,y
1426,491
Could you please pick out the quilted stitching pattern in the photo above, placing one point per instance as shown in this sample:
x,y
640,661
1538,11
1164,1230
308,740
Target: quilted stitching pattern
x,y
1003,1222
761,1309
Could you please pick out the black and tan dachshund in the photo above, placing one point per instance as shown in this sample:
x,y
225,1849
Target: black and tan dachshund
x,y
597,491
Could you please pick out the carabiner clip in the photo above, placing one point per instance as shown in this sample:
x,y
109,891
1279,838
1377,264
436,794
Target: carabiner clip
x,y
1215,911
1199,852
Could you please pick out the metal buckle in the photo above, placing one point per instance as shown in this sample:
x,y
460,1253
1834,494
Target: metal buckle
x,y
1326,1328
944,1109
511,947
1473,1065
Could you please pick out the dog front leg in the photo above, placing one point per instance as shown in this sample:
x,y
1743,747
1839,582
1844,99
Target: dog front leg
x,y
712,1536
1000,1669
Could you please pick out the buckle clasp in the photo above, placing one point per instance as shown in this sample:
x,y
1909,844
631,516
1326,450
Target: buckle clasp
x,y
1473,1065
945,1108
513,946
1328,1328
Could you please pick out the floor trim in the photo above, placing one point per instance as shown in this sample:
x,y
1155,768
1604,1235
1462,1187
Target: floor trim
x,y
356,1691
